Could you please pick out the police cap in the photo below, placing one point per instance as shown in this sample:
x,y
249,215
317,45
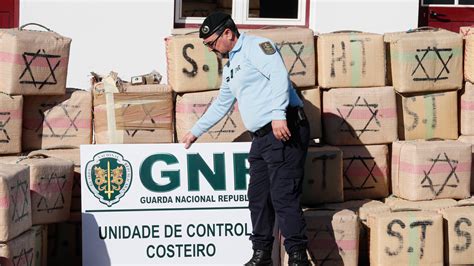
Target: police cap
x,y
212,23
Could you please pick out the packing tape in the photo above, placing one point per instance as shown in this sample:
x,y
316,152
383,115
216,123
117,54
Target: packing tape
x,y
109,89
356,70
413,241
430,113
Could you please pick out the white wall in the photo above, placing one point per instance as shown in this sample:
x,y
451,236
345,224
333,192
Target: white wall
x,y
124,36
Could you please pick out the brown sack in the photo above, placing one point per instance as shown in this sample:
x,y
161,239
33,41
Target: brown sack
x,y
142,114
406,238
355,116
365,172
467,109
191,106
57,121
371,208
426,61
428,116
191,66
15,201
459,231
33,62
322,181
18,251
296,46
426,170
466,202
41,245
398,204
74,156
351,59
469,58
311,97
11,113
465,31
470,140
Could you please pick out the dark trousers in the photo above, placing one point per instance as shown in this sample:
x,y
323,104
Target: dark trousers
x,y
276,175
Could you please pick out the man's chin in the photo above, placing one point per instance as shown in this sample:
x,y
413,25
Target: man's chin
x,y
221,55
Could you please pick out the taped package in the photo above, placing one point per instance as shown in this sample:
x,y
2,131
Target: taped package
x,y
467,30
333,237
351,59
191,66
33,62
428,116
191,106
406,238
467,109
365,172
57,121
423,61
296,46
470,140
70,155
11,113
371,208
398,204
15,201
19,251
41,244
459,231
469,58
142,114
51,182
357,116
322,182
426,170
311,97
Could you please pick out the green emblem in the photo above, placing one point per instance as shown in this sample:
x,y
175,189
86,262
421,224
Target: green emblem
x,y
108,177
267,48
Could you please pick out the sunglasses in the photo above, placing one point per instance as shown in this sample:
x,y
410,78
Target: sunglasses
x,y
212,44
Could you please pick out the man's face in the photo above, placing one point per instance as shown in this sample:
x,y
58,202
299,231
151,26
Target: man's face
x,y
218,43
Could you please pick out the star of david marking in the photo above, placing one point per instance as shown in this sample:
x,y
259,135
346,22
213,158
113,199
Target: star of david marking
x,y
324,158
344,126
147,110
4,119
18,196
24,258
29,58
437,189
46,109
331,256
46,182
370,176
443,61
297,49
228,119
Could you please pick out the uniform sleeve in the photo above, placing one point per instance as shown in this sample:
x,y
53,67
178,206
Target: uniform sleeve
x,y
225,100
269,63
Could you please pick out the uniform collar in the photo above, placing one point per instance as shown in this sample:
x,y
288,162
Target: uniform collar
x,y
237,45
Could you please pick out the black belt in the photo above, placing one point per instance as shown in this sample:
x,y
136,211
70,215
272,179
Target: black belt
x,y
263,130
293,114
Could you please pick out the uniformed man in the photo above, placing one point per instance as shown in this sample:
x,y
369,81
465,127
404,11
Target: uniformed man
x,y
256,77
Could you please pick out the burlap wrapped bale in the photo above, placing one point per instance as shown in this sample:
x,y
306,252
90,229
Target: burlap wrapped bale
x,y
365,171
351,59
459,231
470,140
18,251
11,113
428,116
51,182
423,61
355,116
33,62
371,208
65,244
142,114
426,170
406,238
296,46
322,181
469,58
333,237
191,106
74,156
41,245
467,109
465,31
311,97
388,37
466,202
15,201
398,204
57,121
191,66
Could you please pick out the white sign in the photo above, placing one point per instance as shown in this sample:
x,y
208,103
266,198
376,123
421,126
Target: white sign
x,y
163,205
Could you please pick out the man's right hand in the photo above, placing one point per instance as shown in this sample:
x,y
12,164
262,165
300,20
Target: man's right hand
x,y
188,139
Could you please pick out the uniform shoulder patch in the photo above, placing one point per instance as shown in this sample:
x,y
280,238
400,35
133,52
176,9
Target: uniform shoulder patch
x,y
267,48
